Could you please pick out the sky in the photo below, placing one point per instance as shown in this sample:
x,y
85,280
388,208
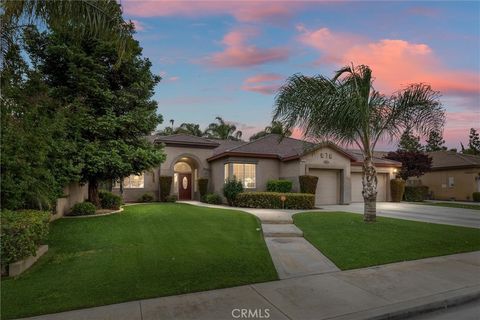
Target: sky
x,y
228,58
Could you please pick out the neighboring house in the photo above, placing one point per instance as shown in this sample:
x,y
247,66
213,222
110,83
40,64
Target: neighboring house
x,y
454,176
256,162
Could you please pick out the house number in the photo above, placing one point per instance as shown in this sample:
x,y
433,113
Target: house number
x,y
325,155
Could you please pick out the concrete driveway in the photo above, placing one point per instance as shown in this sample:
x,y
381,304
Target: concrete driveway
x,y
417,212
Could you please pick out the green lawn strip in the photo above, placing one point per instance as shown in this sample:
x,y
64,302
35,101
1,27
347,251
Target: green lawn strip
x,y
146,251
452,205
351,243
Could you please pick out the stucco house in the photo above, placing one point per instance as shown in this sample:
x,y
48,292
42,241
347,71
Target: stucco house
x,y
454,176
256,162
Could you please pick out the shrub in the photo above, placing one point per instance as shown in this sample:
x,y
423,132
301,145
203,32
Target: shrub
x,y
109,200
308,184
171,198
231,189
476,196
21,233
397,189
83,209
213,198
279,186
273,200
202,186
416,193
146,197
165,186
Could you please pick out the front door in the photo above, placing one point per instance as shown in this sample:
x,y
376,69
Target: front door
x,y
185,186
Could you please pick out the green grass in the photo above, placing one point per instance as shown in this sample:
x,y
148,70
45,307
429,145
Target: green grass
x,y
453,205
146,251
351,243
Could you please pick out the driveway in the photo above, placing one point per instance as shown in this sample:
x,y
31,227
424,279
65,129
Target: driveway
x,y
417,212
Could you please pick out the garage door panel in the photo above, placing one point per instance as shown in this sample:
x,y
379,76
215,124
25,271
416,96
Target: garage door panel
x,y
356,182
328,186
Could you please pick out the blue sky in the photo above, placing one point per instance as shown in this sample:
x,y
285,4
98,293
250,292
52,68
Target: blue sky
x,y
227,58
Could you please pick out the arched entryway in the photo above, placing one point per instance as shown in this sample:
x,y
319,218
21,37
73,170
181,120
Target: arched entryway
x,y
185,175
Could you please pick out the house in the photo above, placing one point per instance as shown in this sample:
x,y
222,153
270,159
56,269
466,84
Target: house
x,y
454,176
256,162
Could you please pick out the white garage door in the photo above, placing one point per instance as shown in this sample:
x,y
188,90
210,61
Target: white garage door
x,y
328,186
357,187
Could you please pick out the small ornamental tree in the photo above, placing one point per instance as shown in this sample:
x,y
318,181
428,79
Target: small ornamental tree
x,y
231,189
414,164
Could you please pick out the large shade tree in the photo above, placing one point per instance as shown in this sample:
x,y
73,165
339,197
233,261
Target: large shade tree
x,y
222,130
348,110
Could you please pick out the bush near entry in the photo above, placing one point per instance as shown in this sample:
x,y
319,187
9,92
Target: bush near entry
x,y
213,198
397,189
308,184
202,186
146,197
280,185
165,186
171,198
109,200
416,193
21,234
476,196
231,189
83,209
273,200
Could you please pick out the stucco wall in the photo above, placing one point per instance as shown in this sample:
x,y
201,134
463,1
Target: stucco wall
x,y
290,170
464,183
73,193
150,185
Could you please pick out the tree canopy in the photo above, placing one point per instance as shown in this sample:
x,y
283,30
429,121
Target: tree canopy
x,y
435,142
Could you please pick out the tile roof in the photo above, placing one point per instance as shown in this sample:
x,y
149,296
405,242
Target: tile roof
x,y
186,139
378,157
451,159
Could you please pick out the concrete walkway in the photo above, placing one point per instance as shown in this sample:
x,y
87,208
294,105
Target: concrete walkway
x,y
389,291
292,255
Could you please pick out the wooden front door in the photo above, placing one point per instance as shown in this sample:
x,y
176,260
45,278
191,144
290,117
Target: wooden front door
x,y
185,186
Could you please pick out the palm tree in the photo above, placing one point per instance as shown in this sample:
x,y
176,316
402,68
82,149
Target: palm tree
x,y
102,18
275,127
190,128
348,110
222,130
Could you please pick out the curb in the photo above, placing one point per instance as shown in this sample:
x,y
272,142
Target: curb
x,y
418,306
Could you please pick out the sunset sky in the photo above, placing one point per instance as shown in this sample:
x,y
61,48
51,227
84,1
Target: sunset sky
x,y
228,58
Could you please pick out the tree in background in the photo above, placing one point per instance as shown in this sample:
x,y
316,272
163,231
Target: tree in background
x,y
109,105
275,127
410,142
189,128
414,163
435,142
348,110
222,130
473,143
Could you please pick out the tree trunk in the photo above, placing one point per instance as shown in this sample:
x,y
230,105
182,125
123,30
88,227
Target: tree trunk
x,y
369,192
93,192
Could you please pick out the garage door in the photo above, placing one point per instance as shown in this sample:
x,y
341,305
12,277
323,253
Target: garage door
x,y
328,186
357,187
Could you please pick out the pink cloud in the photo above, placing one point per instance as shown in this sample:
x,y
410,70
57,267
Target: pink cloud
x,y
244,11
239,54
264,77
138,25
264,89
395,63
174,78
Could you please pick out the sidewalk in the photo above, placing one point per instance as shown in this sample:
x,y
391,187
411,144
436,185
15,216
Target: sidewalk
x,y
382,292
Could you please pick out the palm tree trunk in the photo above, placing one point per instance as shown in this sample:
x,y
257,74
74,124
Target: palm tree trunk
x,y
369,192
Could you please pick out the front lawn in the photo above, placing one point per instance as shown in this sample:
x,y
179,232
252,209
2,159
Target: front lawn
x,y
147,251
453,205
351,243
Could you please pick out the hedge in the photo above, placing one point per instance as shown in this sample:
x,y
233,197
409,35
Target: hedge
x,y
171,198
202,186
476,196
308,184
397,189
109,200
83,209
21,234
416,193
283,186
213,198
146,197
165,186
272,200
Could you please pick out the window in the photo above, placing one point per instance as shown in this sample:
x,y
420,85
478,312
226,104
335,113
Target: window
x,y
226,173
132,182
246,173
451,182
